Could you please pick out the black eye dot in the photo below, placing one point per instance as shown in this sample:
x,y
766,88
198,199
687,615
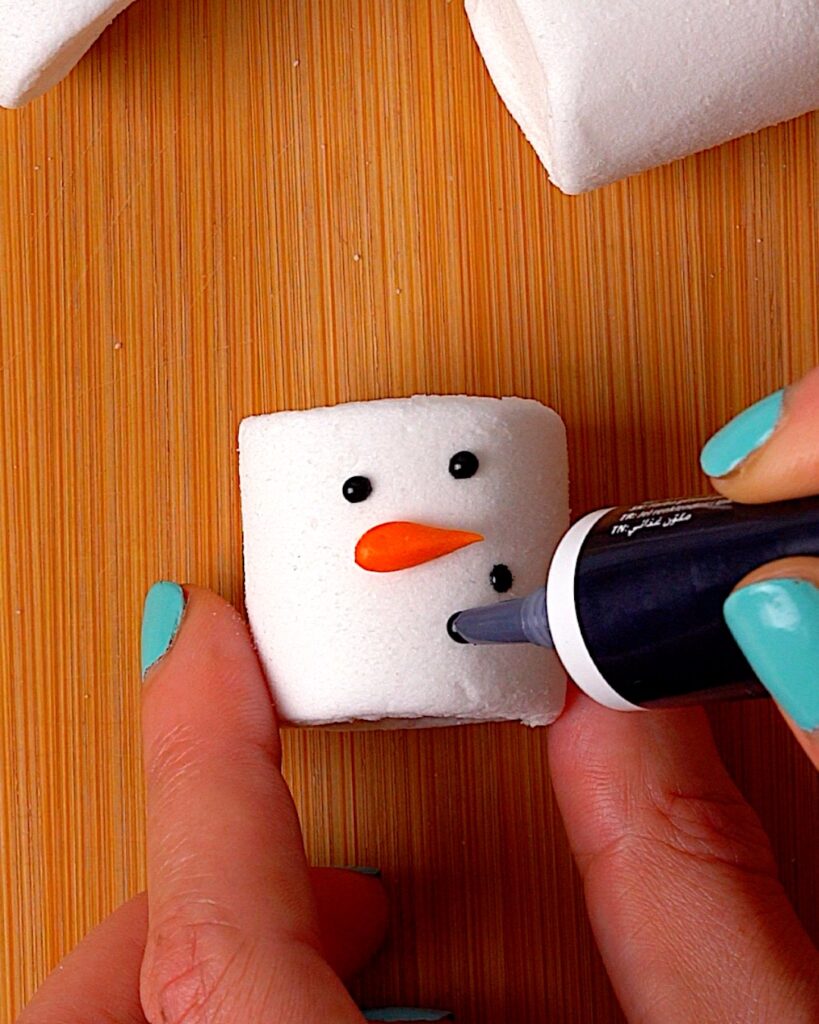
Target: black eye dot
x,y
463,465
501,578
357,488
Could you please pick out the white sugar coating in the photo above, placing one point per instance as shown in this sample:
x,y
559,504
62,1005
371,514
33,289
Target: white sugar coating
x,y
42,40
605,88
342,643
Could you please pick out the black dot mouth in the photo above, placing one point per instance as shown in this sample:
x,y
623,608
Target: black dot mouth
x,y
453,632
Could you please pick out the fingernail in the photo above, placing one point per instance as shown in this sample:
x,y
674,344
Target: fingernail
x,y
407,1013
776,623
373,872
741,436
161,615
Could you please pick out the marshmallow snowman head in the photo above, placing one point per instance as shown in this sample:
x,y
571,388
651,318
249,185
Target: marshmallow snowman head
x,y
367,525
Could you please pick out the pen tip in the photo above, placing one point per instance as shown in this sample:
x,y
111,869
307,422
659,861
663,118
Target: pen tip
x,y
517,621
452,629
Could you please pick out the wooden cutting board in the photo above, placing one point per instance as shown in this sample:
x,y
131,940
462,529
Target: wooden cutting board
x,y
233,207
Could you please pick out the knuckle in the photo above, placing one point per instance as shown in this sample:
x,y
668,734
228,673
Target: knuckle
x,y
715,829
186,969
179,758
172,757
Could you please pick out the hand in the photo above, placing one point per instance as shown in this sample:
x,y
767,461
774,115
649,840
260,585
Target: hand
x,y
680,881
774,611
235,926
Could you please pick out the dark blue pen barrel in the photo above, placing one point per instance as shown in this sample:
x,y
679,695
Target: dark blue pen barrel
x,y
649,584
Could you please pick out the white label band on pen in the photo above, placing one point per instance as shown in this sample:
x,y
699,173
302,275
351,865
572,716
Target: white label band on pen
x,y
564,625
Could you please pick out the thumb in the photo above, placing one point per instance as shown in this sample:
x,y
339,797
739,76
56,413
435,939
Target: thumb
x,y
233,930
774,616
679,878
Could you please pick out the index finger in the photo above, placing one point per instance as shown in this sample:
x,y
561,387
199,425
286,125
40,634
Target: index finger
x,y
769,451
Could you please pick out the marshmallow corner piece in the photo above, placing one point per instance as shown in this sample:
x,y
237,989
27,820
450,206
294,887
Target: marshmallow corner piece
x,y
367,525
603,90
41,41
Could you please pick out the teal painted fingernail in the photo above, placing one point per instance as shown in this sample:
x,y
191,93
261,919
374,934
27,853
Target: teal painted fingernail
x,y
741,436
407,1013
776,623
373,872
161,615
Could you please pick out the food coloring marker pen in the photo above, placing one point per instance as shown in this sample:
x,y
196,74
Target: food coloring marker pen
x,y
633,598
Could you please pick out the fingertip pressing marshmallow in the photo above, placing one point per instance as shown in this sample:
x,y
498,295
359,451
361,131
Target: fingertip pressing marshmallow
x,y
42,40
367,525
605,89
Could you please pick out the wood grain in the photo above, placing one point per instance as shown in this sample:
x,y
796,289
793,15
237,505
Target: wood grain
x,y
232,207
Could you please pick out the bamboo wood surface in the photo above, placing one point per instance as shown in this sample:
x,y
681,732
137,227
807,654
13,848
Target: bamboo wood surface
x,y
232,207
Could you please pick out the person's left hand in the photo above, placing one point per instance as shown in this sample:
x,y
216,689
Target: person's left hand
x,y
235,925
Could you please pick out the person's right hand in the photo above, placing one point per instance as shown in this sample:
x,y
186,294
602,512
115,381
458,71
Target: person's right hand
x,y
770,452
680,882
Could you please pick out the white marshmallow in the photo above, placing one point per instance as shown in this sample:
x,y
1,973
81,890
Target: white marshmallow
x,y
340,642
605,88
42,40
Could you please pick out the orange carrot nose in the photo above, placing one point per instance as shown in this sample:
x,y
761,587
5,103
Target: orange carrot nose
x,y
392,546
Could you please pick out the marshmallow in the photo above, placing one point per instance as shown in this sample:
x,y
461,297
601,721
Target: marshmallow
x,y
42,40
605,88
348,609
